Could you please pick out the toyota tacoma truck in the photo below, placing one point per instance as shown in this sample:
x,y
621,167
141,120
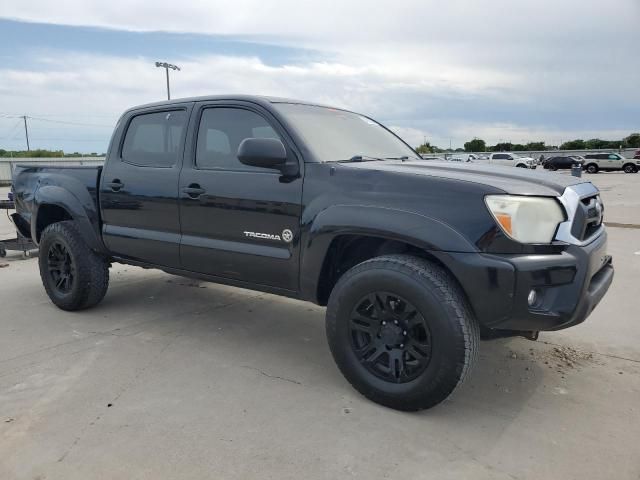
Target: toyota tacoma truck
x,y
415,261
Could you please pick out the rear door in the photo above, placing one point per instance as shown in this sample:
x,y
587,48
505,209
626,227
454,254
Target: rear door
x,y
565,162
238,222
502,159
602,159
139,186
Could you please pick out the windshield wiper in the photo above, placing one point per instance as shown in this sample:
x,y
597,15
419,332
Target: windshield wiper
x,y
360,158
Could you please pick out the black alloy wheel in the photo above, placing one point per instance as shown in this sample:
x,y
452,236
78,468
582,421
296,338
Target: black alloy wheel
x,y
390,337
401,331
74,276
61,268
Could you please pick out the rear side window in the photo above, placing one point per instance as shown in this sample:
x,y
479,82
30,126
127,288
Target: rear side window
x,y
220,133
154,139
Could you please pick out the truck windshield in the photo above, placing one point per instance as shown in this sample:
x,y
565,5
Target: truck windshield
x,y
337,135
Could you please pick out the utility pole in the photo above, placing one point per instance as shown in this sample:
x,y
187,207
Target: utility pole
x,y
166,67
26,131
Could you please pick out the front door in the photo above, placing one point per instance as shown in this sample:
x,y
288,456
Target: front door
x,y
139,187
614,161
238,222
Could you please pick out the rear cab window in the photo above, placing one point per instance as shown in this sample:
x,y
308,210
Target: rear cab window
x,y
154,139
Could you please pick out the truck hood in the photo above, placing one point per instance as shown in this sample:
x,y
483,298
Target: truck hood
x,y
511,180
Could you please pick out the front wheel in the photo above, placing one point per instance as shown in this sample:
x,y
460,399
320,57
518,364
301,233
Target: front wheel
x,y
73,276
401,332
522,166
630,168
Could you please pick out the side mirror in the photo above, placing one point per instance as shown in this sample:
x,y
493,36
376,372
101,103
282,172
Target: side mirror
x,y
262,152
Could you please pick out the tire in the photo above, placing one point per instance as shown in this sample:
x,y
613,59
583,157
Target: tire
x,y
553,168
442,329
522,165
73,275
592,168
629,168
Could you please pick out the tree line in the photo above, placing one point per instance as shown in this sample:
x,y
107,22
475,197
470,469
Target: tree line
x,y
479,145
41,153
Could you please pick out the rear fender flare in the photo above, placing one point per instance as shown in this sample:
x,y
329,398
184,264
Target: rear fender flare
x,y
80,208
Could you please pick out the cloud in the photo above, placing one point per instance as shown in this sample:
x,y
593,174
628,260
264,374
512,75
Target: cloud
x,y
107,85
451,70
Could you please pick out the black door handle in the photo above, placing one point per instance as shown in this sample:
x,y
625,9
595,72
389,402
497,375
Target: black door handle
x,y
194,190
115,185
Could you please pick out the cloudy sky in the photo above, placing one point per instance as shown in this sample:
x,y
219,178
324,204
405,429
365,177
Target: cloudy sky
x,y
448,71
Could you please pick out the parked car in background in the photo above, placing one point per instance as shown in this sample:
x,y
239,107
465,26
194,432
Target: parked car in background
x,y
609,162
562,162
461,157
512,160
637,154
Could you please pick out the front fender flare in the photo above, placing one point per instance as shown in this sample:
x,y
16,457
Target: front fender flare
x,y
423,232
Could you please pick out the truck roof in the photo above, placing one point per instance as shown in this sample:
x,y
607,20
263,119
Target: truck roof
x,y
260,99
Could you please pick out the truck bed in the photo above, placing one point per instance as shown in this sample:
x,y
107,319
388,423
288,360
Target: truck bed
x,y
32,181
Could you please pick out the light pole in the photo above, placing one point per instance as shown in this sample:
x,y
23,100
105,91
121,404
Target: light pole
x,y
166,67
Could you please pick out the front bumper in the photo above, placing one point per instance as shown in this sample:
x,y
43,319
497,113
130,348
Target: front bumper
x,y
569,285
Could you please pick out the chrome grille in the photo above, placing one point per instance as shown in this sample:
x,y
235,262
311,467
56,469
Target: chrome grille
x,y
584,214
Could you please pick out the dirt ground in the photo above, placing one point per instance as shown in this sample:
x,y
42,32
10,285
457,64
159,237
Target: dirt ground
x,y
173,378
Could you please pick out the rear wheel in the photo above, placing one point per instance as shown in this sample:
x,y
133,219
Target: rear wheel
x,y
630,168
401,332
73,276
592,168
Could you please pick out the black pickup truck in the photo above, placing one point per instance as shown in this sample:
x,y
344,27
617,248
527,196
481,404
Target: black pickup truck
x,y
415,260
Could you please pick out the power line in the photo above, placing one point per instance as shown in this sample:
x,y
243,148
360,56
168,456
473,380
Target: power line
x,y
62,122
13,129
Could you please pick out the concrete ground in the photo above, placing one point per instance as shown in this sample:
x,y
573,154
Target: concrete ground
x,y
173,378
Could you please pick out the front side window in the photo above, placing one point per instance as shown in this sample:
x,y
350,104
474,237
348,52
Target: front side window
x,y
154,139
334,135
613,156
501,156
220,133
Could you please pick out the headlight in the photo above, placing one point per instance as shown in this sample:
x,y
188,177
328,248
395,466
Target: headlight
x,y
526,219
